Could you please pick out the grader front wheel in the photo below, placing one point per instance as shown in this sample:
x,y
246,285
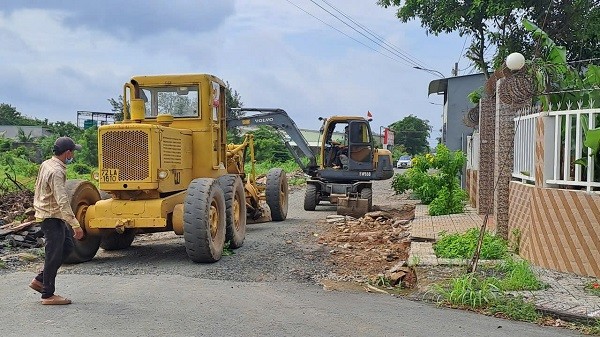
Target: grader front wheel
x,y
204,220
82,194
277,194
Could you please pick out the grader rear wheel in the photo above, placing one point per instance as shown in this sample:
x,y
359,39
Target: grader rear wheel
x,y
204,220
82,194
235,209
277,194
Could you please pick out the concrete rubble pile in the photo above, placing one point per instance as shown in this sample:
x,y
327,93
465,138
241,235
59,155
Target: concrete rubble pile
x,y
376,244
18,228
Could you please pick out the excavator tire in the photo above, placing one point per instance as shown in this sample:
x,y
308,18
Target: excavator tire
x,y
204,220
310,198
277,194
235,209
367,193
82,194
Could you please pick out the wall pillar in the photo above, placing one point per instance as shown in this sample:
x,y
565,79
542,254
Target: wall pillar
x,y
504,161
487,136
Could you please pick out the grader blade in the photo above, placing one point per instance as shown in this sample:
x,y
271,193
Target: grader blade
x,y
353,206
265,214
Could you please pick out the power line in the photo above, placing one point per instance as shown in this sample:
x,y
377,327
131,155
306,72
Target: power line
x,y
376,36
339,31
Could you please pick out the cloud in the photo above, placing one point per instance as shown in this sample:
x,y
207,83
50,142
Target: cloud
x,y
134,19
59,57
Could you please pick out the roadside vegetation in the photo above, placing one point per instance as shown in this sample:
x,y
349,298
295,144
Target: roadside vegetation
x,y
487,290
433,179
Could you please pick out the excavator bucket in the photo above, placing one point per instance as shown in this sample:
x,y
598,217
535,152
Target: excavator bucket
x,y
353,206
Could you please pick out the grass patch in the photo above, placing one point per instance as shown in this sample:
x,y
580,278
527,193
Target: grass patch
x,y
3,264
227,251
462,245
28,257
514,308
264,166
593,288
297,181
592,329
518,276
467,291
486,289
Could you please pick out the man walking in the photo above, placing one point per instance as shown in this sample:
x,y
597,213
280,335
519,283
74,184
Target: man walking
x,y
53,210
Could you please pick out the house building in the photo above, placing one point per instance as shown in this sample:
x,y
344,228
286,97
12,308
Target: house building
x,y
455,133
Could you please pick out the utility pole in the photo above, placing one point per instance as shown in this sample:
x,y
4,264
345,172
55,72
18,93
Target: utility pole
x,y
455,70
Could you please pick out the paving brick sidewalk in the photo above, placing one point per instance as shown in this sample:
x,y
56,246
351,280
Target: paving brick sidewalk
x,y
565,297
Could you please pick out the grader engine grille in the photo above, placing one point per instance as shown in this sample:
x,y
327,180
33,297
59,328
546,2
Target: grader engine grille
x,y
171,150
126,151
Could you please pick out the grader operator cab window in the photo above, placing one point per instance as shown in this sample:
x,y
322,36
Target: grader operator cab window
x,y
181,101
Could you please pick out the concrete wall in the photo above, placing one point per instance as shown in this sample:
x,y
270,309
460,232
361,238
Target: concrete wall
x,y
12,131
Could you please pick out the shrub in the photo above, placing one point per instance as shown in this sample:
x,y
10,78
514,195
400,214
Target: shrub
x,y
433,180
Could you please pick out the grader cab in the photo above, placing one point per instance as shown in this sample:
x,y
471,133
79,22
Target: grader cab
x,y
168,167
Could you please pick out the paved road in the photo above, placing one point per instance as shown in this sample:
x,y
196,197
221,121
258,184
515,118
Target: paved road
x,y
176,305
265,289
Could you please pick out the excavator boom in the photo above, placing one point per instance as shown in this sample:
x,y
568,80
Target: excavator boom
x,y
279,119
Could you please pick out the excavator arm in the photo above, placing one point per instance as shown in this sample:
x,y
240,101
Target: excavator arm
x,y
279,120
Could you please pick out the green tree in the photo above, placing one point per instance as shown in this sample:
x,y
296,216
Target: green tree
x,y
89,147
117,107
412,133
269,146
59,129
10,116
23,137
495,25
233,100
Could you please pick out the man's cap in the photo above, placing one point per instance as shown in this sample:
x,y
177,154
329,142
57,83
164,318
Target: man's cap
x,y
63,144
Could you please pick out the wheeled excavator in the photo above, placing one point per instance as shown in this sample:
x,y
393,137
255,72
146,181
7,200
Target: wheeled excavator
x,y
341,168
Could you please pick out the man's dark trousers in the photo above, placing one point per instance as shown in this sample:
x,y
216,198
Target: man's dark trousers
x,y
59,244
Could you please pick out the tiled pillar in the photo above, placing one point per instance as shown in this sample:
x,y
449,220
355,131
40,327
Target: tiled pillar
x,y
487,136
539,152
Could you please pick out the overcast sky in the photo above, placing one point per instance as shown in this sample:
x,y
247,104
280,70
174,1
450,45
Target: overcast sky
x,y
61,56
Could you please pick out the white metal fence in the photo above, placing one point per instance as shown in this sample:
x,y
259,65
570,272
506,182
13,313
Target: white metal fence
x,y
524,146
473,151
563,146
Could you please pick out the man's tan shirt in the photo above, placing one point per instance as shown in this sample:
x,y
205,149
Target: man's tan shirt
x,y
50,199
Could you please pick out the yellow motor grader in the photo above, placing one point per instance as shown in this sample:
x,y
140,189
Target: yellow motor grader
x,y
168,167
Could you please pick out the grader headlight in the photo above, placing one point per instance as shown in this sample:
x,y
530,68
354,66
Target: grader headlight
x,y
162,174
96,176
